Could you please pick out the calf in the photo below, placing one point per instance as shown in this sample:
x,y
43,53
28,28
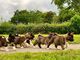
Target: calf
x,y
3,42
43,40
16,39
29,37
60,40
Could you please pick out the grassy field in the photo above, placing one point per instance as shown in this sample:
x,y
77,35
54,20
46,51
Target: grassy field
x,y
76,38
55,55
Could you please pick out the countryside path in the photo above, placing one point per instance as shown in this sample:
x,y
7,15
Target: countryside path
x,y
43,49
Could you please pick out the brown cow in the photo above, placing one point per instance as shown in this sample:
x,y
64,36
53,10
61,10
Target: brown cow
x,y
60,40
43,40
19,40
11,38
3,42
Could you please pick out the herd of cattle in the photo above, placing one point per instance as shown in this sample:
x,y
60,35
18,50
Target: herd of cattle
x,y
15,39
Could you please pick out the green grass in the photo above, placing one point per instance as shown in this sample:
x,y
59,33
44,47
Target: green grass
x,y
76,38
55,55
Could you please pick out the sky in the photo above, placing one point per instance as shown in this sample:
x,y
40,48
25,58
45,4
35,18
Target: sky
x,y
7,7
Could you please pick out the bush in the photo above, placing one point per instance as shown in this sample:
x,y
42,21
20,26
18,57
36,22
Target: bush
x,y
73,26
46,28
20,28
7,27
75,23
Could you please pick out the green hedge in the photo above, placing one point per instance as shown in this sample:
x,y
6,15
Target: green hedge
x,y
75,23
6,28
71,26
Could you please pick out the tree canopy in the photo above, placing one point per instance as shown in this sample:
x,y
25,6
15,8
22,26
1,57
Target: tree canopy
x,y
70,4
26,17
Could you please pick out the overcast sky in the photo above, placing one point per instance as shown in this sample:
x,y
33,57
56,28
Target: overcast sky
x,y
7,7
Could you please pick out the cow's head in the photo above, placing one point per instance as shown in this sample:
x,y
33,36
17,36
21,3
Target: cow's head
x,y
70,36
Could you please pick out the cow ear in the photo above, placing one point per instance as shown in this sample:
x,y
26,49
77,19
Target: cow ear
x,y
69,33
72,33
56,33
39,33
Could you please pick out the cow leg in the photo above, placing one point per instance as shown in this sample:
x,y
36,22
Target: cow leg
x,y
56,46
31,43
39,44
21,45
0,45
24,44
49,44
14,46
6,47
28,41
66,44
62,46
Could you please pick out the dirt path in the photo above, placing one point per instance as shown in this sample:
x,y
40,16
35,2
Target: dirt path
x,y
43,49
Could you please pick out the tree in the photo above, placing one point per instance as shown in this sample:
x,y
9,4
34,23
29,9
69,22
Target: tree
x,y
67,8
20,17
36,17
70,4
75,23
66,14
49,17
26,17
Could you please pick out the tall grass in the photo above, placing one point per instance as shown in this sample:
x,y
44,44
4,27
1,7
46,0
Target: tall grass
x,y
55,55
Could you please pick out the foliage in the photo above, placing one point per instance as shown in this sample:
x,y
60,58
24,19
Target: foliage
x,y
49,17
26,17
20,28
35,28
66,14
20,17
70,4
70,26
55,55
56,19
7,27
67,9
75,23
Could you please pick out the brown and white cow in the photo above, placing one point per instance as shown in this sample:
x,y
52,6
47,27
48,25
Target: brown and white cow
x,y
3,43
19,40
